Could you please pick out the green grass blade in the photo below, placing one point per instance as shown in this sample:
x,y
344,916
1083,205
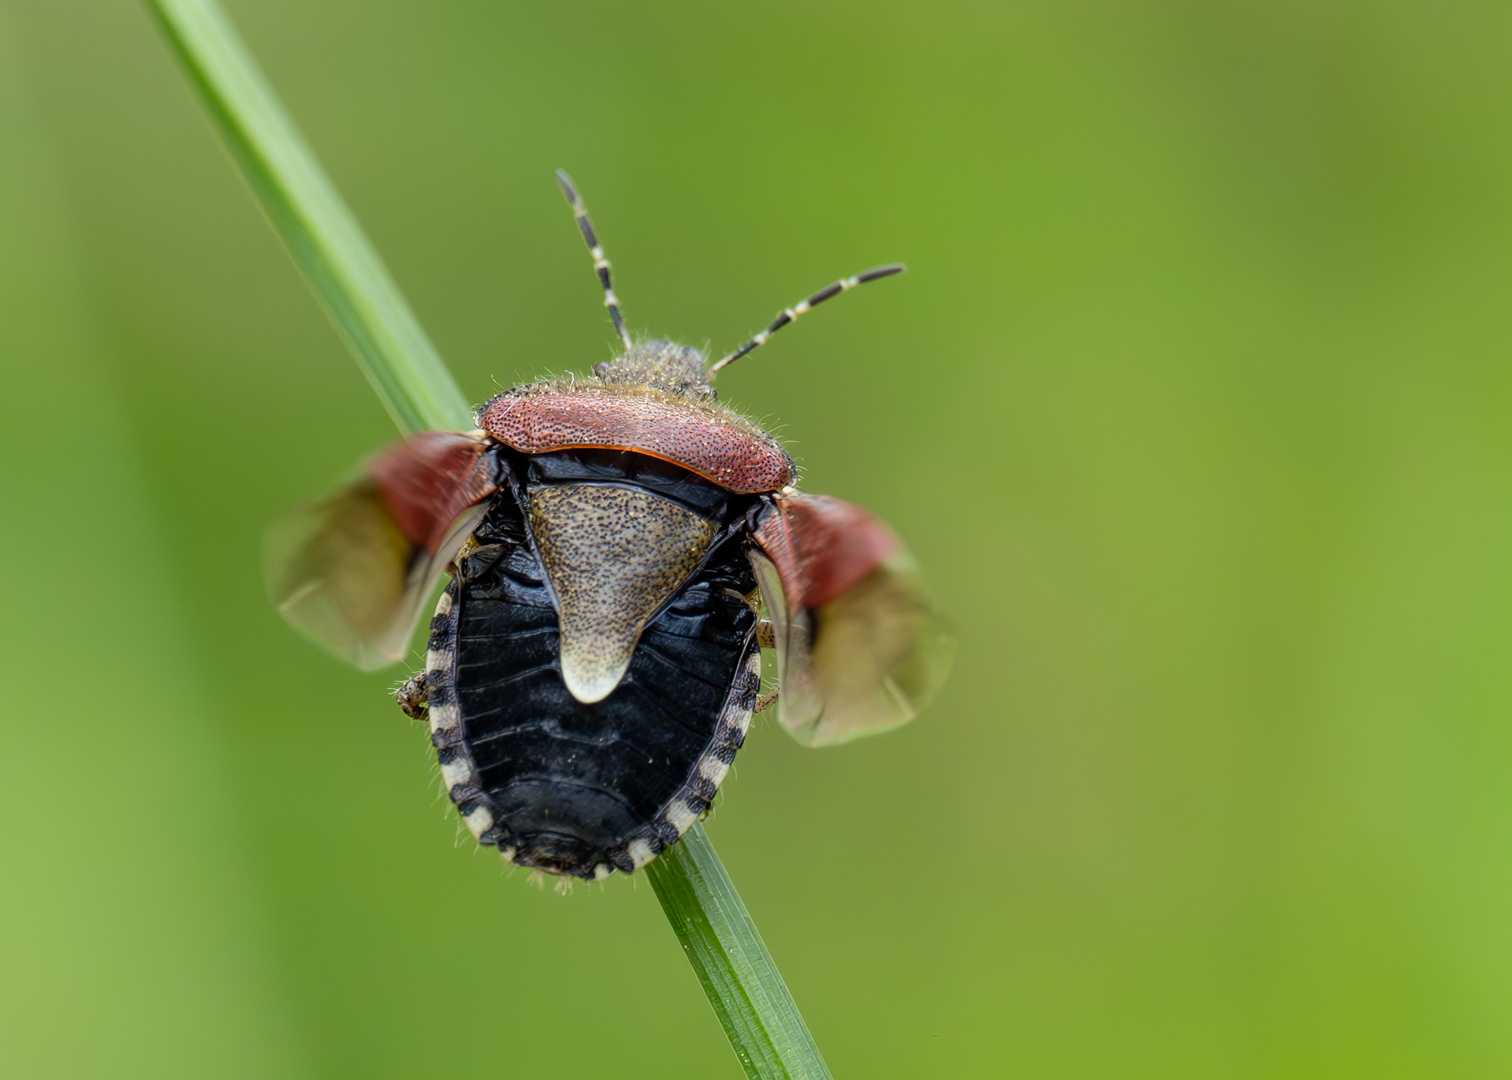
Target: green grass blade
x,y
743,984
324,238
700,901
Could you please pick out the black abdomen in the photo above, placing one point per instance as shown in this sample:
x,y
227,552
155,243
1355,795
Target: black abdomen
x,y
579,788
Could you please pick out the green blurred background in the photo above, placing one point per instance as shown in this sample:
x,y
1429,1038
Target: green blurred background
x,y
1194,405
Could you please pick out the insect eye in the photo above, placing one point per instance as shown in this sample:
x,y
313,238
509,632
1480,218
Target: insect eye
x,y
601,369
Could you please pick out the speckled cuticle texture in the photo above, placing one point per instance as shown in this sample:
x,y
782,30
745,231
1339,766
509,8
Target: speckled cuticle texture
x,y
613,556
685,434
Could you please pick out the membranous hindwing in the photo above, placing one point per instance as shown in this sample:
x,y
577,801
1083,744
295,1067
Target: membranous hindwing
x,y
583,787
352,569
860,648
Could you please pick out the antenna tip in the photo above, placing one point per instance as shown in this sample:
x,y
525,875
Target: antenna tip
x,y
565,183
880,272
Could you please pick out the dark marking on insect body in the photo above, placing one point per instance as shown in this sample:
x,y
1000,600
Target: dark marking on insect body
x,y
569,786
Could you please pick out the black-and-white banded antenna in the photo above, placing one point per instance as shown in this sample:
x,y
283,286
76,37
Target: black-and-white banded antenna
x,y
803,306
600,264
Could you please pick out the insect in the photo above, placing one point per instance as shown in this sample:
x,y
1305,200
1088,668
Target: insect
x,y
613,542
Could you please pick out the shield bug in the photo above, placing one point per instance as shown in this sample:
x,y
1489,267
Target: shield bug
x,y
613,541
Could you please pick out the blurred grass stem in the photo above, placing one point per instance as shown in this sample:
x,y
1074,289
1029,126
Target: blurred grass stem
x,y
330,248
744,986
352,284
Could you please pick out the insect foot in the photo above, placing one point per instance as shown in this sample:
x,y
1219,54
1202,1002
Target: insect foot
x,y
414,696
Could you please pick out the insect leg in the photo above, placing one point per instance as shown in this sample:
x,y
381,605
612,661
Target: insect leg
x,y
600,264
766,637
414,696
765,701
